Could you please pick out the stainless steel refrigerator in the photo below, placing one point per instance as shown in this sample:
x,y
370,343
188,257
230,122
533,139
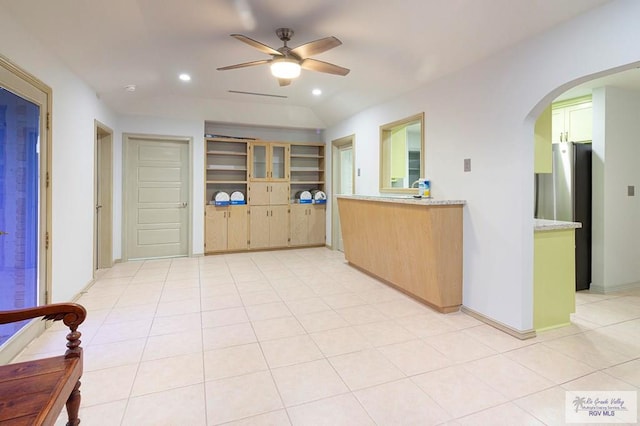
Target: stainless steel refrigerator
x,y
565,194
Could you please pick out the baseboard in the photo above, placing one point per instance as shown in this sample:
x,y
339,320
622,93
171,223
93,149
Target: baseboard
x,y
598,289
84,290
522,335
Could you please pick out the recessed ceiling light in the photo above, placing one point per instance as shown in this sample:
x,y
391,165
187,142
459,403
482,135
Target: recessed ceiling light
x,y
317,92
184,77
130,88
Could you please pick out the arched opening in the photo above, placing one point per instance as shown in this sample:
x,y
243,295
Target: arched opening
x,y
605,247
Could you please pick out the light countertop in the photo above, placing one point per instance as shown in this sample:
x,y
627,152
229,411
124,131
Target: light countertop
x,y
554,225
403,199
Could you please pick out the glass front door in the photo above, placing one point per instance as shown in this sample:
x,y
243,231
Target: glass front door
x,y
19,205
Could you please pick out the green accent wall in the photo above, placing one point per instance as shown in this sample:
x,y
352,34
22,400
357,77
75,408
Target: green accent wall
x,y
399,154
554,292
542,141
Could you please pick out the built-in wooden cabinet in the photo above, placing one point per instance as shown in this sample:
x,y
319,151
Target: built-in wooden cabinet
x,y
268,214
225,166
270,175
572,121
306,168
226,228
269,161
269,226
307,224
268,193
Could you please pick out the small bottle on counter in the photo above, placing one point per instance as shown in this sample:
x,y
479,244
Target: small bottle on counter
x,y
426,185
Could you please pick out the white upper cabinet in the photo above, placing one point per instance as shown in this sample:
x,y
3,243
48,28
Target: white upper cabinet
x,y
572,121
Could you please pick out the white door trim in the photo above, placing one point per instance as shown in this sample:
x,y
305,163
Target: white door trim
x,y
103,188
31,88
126,138
336,145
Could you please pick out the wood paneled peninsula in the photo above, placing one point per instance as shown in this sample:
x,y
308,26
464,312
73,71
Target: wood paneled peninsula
x,y
415,245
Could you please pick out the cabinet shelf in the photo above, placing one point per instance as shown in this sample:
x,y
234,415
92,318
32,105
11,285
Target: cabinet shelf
x,y
306,169
227,181
226,153
227,167
307,182
306,156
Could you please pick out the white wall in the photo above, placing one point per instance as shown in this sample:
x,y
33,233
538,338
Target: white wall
x,y
486,112
75,106
225,111
616,153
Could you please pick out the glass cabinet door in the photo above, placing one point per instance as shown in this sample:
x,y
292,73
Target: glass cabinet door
x,y
259,162
278,168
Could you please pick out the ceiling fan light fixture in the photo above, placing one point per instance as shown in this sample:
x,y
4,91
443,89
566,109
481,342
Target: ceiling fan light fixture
x,y
285,68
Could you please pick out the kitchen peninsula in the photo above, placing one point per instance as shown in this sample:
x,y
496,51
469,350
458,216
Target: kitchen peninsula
x,y
554,273
415,245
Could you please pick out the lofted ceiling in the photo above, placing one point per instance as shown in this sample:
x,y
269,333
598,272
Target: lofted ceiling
x,y
390,47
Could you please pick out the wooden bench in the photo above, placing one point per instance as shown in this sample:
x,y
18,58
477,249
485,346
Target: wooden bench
x,y
34,392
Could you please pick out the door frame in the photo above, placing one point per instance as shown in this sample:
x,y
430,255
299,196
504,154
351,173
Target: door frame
x,y
103,230
126,139
45,236
336,146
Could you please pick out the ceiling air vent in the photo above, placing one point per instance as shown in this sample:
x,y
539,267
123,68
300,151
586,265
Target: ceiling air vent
x,y
268,95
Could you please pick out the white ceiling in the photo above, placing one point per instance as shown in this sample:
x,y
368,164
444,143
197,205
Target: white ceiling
x,y
391,47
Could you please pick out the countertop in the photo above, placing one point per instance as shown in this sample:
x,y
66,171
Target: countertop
x,y
403,199
554,225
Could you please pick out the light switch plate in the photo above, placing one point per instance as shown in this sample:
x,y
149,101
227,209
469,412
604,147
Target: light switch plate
x,y
467,164
358,171
631,190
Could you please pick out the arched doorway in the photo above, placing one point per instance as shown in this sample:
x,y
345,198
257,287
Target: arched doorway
x,y
614,212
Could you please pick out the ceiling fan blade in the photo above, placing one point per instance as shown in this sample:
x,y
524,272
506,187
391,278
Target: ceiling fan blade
x,y
256,44
284,81
315,65
316,47
245,64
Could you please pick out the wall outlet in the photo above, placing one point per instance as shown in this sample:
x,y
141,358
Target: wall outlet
x,y
631,190
467,164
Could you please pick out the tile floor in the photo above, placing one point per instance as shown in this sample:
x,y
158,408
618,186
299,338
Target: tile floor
x,y
298,337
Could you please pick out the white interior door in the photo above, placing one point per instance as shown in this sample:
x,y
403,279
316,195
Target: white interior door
x,y
157,196
343,182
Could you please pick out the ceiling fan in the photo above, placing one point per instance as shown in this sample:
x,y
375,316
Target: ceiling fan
x,y
287,62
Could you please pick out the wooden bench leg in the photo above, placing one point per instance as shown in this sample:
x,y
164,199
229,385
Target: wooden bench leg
x,y
73,406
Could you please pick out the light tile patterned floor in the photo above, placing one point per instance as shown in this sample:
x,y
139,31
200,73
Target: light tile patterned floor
x,y
299,337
